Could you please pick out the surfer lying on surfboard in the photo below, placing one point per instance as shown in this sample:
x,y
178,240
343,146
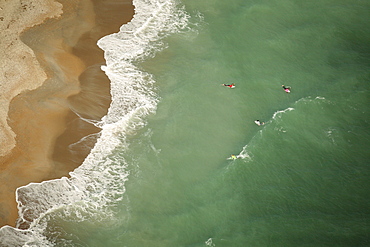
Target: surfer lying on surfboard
x,y
229,85
286,89
232,157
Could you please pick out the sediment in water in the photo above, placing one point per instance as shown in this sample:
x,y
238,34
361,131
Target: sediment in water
x,y
51,139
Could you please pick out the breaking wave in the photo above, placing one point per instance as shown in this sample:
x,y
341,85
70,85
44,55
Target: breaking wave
x,y
98,183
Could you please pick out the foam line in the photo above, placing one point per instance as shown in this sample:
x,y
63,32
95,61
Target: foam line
x,y
99,182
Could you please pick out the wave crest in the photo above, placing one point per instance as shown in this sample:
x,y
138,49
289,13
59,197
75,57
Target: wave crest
x,y
99,182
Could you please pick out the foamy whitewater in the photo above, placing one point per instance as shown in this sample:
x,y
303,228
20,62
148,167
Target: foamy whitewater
x,y
99,182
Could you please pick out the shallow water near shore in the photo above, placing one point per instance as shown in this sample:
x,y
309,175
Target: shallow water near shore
x,y
160,174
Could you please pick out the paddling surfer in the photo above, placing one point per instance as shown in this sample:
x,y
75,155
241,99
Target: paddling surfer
x,y
229,85
259,123
286,89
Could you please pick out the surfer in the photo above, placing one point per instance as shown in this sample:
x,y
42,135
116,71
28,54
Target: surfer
x,y
259,123
233,157
286,89
229,85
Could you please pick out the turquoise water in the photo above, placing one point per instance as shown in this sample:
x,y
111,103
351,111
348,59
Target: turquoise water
x,y
300,180
303,180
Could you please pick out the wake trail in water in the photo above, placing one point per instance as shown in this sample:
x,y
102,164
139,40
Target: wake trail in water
x,y
277,124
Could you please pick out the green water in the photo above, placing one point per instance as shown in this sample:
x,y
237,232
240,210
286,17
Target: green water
x,y
304,176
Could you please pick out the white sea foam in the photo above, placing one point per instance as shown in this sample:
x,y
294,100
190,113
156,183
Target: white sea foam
x,y
209,242
99,182
244,153
278,114
311,99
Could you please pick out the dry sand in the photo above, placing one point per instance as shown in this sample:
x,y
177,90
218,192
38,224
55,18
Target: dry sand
x,y
49,73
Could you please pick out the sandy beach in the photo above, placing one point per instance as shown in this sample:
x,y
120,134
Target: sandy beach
x,y
50,75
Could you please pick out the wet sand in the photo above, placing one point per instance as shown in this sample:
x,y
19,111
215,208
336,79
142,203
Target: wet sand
x,y
50,138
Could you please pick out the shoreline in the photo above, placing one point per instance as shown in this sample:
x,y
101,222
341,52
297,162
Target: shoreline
x,y
70,81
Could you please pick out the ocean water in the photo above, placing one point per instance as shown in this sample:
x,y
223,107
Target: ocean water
x,y
160,174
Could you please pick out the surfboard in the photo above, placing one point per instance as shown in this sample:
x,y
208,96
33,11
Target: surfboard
x,y
259,123
286,89
228,85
